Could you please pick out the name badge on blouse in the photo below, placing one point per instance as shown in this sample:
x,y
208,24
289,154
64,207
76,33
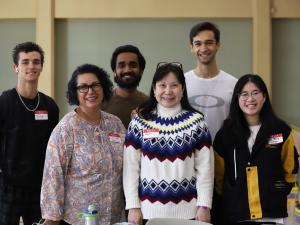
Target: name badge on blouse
x,y
113,137
275,139
150,133
41,115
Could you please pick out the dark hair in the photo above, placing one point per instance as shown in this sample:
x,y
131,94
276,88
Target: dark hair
x,y
236,119
127,48
27,47
101,75
202,27
161,72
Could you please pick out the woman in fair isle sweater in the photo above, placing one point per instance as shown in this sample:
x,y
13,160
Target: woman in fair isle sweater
x,y
168,158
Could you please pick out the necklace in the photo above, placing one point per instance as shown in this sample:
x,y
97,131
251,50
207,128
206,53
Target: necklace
x,y
30,110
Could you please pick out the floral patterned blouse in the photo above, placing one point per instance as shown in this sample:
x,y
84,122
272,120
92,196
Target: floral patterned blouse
x,y
83,166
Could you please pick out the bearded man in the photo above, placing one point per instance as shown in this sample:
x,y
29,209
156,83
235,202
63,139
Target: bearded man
x,y
128,65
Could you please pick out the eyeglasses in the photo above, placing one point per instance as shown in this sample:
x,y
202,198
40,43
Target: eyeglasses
x,y
244,95
177,64
84,88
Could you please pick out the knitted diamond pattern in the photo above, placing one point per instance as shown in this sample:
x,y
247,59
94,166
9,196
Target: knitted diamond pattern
x,y
184,136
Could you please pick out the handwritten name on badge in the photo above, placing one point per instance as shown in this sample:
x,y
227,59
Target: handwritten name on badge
x,y
275,139
150,133
113,137
41,115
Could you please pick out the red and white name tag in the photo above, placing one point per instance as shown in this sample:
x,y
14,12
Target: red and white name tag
x,y
150,133
41,115
114,137
275,139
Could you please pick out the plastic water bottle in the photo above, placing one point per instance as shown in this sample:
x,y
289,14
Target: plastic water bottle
x,y
89,215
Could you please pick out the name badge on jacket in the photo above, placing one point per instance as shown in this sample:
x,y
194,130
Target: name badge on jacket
x,y
275,139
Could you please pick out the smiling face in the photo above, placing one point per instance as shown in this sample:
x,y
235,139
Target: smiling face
x,y
90,99
251,101
128,71
29,66
168,91
205,47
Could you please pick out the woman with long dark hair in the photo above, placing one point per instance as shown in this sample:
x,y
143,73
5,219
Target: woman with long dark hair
x,y
256,163
168,157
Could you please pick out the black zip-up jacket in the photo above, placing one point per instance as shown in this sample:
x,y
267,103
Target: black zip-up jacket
x,y
255,185
24,138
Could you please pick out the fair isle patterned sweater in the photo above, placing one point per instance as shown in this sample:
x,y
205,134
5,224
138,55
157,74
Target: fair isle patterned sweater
x,y
168,164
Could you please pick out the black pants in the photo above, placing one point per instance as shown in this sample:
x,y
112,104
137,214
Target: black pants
x,y
19,202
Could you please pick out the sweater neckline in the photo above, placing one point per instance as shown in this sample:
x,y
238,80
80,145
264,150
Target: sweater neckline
x,y
168,112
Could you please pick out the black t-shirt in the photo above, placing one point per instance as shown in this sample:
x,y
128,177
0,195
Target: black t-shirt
x,y
24,136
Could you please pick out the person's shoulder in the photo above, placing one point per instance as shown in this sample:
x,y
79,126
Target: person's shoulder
x,y
189,73
226,133
49,101
142,95
68,118
282,125
7,93
194,115
109,116
228,76
47,98
112,118
6,98
66,123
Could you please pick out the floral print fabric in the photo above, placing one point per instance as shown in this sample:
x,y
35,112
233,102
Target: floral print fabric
x,y
83,166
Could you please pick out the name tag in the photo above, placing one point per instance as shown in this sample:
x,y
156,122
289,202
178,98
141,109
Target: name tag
x,y
150,133
113,137
41,115
275,139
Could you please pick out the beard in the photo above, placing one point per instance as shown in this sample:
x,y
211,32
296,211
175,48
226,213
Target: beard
x,y
125,83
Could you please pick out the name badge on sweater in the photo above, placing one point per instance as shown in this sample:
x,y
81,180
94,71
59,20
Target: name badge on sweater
x,y
275,139
150,133
113,137
41,115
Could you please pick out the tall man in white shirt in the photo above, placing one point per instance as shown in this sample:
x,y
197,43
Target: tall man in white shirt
x,y
209,88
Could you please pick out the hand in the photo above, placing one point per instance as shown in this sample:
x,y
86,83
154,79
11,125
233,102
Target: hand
x,y
50,222
203,214
135,216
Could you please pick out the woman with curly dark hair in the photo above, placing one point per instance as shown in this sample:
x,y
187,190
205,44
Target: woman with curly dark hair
x,y
84,155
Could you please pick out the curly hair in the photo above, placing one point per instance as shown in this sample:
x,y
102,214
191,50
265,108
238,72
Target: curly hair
x,y
101,75
26,47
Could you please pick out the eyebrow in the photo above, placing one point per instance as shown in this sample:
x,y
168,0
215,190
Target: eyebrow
x,y
204,40
130,62
95,82
252,90
34,60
